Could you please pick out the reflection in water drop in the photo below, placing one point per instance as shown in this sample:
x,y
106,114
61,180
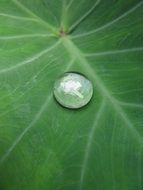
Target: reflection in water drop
x,y
73,90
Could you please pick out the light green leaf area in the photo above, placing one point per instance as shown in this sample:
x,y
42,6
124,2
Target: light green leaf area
x,y
48,147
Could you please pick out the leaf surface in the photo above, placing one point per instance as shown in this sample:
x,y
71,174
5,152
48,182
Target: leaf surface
x,y
45,146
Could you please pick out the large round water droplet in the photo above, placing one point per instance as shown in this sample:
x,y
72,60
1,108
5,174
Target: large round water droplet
x,y
73,90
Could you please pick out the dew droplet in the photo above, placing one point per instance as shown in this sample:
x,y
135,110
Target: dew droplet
x,y
73,90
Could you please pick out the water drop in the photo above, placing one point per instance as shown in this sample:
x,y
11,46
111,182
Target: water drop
x,y
73,90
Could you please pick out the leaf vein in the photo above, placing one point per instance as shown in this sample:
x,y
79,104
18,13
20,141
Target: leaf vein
x,y
18,17
84,16
28,11
89,144
109,23
30,60
34,121
122,51
73,49
24,36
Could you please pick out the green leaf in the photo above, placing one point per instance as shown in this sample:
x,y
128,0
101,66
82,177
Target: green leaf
x,y
45,146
